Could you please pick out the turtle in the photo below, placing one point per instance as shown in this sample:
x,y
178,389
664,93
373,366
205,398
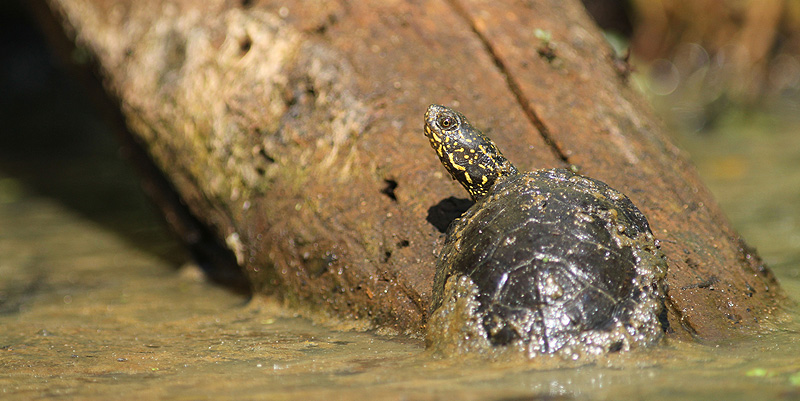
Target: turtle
x,y
546,262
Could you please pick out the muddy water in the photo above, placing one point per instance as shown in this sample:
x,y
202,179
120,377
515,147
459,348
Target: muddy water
x,y
98,301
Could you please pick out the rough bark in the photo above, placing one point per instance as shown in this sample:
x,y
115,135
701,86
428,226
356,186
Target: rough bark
x,y
293,130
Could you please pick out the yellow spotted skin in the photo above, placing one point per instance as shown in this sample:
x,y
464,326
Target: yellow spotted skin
x,y
470,157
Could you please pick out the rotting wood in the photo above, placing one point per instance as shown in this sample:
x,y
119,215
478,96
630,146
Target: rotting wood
x,y
293,130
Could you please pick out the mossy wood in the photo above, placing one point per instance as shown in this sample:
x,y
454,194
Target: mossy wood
x,y
293,130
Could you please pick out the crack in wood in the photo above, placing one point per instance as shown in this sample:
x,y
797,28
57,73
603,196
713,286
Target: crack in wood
x,y
512,84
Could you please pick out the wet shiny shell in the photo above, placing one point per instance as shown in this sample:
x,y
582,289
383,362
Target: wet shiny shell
x,y
549,262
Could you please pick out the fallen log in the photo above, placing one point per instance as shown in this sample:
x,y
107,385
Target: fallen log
x,y
292,132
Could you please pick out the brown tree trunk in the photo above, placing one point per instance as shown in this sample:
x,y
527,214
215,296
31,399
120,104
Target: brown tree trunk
x,y
293,130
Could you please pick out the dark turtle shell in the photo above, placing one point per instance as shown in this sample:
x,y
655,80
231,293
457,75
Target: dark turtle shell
x,y
548,262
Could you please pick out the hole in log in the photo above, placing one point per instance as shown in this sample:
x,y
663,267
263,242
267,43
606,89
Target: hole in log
x,y
329,22
447,210
388,190
547,52
388,254
245,44
266,156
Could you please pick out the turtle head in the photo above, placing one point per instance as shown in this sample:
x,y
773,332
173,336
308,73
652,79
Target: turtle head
x,y
470,157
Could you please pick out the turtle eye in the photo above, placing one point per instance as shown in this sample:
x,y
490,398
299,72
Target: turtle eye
x,y
447,123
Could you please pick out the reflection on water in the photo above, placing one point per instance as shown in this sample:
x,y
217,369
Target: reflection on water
x,y
93,303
